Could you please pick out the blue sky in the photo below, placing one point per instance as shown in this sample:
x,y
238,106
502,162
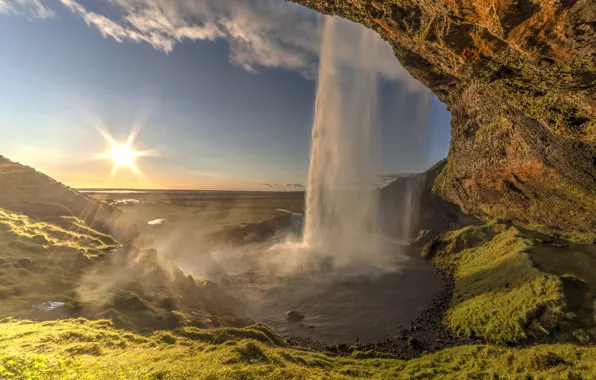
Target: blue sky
x,y
223,104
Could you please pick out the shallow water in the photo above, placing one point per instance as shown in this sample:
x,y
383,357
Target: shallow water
x,y
339,307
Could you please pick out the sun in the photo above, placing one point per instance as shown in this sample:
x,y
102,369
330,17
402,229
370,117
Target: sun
x,y
123,154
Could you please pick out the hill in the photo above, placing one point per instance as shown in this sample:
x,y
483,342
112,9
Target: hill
x,y
26,191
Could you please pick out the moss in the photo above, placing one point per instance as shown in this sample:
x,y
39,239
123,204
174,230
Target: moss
x,y
443,181
72,257
69,233
572,236
499,295
31,350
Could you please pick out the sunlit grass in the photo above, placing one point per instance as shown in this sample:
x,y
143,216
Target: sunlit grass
x,y
84,349
61,232
499,294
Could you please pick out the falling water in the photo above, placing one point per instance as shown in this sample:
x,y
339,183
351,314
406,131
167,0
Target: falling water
x,y
342,204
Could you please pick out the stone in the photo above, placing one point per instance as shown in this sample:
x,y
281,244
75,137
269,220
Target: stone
x,y
294,316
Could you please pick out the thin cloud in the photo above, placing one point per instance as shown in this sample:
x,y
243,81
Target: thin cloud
x,y
32,9
260,33
4,7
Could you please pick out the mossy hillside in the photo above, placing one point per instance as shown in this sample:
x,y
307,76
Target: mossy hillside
x,y
62,259
26,191
83,349
551,233
499,295
39,259
576,265
60,232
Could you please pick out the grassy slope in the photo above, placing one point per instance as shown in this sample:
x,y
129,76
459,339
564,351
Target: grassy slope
x,y
62,259
511,284
26,191
82,349
56,232
38,259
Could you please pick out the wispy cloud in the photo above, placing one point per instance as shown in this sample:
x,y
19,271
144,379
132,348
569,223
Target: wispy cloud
x,y
281,185
260,33
4,8
32,9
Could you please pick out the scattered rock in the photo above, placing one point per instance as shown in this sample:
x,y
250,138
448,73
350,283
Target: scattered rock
x,y
560,245
294,316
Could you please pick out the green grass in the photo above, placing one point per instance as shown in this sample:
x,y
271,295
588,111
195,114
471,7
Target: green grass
x,y
83,349
62,259
572,236
499,294
54,233
576,264
39,259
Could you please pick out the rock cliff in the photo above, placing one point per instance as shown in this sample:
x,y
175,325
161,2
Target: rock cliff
x,y
519,78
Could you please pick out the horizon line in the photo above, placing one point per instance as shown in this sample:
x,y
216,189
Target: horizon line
x,y
173,189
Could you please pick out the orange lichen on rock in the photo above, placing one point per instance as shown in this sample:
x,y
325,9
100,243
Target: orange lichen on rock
x,y
544,29
514,172
484,44
386,27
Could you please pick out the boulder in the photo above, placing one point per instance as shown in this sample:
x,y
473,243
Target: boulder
x,y
294,316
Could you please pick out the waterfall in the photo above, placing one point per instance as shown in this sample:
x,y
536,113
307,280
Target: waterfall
x,y
342,203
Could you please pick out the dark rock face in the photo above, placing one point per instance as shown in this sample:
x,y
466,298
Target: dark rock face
x,y
409,205
519,77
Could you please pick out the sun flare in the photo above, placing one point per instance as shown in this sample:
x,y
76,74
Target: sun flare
x,y
123,154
